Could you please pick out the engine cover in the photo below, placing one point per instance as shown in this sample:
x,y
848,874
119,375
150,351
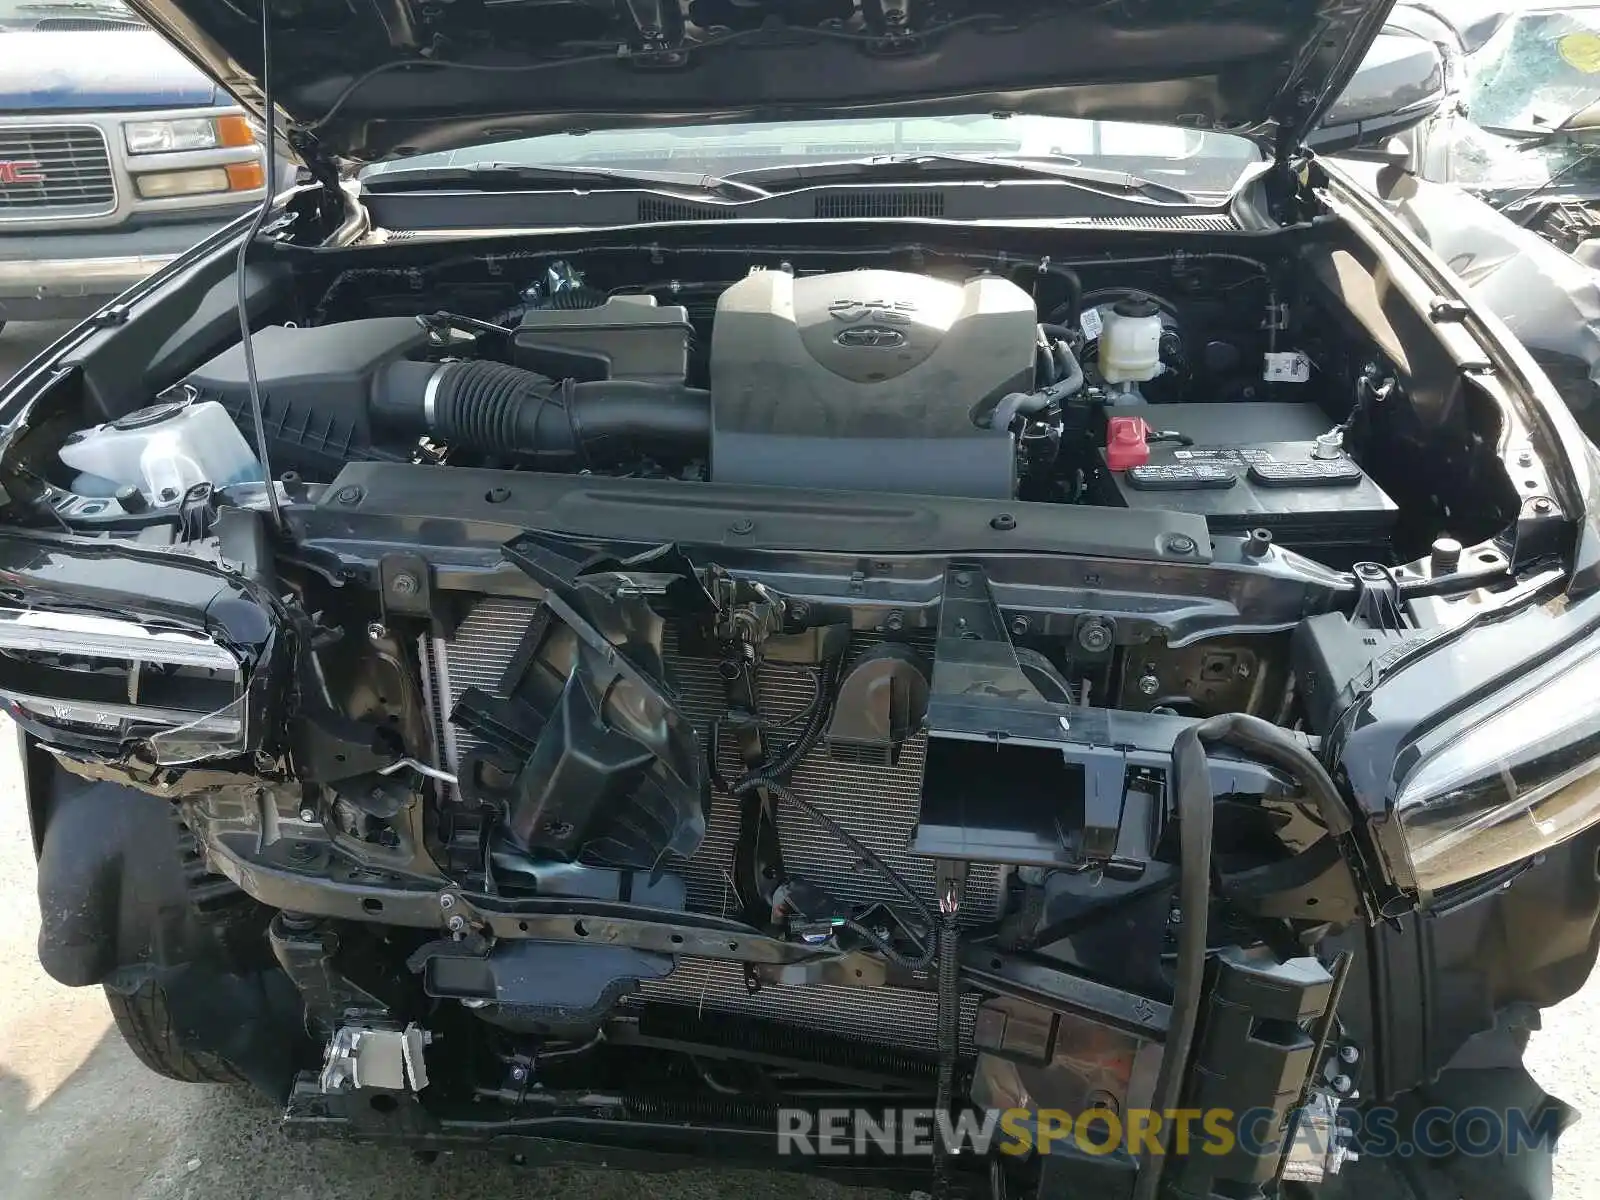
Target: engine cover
x,y
868,380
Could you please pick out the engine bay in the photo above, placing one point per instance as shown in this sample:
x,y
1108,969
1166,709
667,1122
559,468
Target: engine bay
x,y
1206,382
712,677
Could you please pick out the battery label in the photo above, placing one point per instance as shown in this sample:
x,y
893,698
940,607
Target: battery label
x,y
1242,455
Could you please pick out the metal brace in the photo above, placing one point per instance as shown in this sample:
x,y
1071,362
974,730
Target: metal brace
x,y
1321,1146
1378,600
659,25
359,1056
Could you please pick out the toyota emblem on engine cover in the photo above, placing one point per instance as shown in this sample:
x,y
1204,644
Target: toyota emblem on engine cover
x,y
871,335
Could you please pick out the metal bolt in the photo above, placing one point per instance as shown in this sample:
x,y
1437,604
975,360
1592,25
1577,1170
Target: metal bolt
x,y
308,815
519,1073
348,495
404,584
1349,1054
1149,684
742,525
1445,556
1004,522
1178,543
1342,1083
1101,1100
1094,635
497,495
447,901
1242,670
1257,542
302,852
377,632
1543,506
895,621
1019,625
799,610
963,579
456,923
1525,459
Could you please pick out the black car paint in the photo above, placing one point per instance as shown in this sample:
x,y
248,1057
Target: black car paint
x,y
349,78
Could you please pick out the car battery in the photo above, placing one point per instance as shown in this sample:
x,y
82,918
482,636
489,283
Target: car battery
x,y
1255,466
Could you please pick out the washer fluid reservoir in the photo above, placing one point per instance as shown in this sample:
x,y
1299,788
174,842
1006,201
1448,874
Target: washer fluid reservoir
x,y
1130,342
163,451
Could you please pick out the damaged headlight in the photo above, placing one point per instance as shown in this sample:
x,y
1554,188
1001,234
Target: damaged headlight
x,y
104,680
1508,778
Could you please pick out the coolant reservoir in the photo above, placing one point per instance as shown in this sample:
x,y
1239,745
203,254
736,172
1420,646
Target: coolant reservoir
x,y
1130,342
165,450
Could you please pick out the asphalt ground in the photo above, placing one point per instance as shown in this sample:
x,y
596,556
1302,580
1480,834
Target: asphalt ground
x,y
81,1118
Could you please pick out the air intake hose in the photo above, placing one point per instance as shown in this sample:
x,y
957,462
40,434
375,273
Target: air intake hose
x,y
499,409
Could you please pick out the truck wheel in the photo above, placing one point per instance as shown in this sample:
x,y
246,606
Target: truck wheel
x,y
146,1025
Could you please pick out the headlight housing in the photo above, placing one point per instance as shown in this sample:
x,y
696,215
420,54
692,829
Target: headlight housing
x,y
186,133
101,680
1508,778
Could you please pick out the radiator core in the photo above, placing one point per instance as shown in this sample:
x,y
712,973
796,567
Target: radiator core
x,y
876,803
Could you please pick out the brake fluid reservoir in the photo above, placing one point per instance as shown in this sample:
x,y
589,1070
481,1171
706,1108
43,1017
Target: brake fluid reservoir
x,y
165,450
1130,342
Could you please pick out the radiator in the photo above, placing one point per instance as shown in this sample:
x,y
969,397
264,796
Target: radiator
x,y
877,804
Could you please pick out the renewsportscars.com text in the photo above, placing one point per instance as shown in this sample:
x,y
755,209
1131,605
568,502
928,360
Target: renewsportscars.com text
x,y
1378,1132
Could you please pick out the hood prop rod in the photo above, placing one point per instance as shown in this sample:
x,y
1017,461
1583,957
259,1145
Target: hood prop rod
x,y
251,377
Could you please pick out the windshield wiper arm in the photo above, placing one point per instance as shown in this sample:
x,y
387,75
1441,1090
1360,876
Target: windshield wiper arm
x,y
960,166
491,176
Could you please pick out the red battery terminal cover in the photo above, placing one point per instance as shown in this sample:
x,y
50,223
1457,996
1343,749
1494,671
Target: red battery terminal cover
x,y
1125,442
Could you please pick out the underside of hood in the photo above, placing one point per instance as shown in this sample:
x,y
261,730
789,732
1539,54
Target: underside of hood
x,y
371,79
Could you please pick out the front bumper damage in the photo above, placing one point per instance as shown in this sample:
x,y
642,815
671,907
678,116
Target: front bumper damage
x,y
258,832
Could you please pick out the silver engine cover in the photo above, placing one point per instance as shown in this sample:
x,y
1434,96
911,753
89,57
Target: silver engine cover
x,y
868,380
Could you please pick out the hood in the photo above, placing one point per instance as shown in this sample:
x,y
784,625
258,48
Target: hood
x,y
393,78
96,72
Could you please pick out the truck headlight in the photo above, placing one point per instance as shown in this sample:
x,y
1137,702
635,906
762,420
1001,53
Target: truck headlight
x,y
106,679
1512,777
187,133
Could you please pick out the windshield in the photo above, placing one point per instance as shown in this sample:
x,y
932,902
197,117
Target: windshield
x,y
1202,164
67,15
1539,74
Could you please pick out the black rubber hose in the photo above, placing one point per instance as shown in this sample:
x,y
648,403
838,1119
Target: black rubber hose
x,y
1071,307
500,409
1069,382
1191,784
570,298
1044,367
